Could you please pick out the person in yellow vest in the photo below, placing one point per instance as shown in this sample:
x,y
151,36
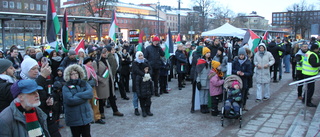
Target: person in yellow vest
x,y
310,68
281,55
299,59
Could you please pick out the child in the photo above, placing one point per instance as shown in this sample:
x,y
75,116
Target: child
x,y
163,79
216,82
144,90
233,100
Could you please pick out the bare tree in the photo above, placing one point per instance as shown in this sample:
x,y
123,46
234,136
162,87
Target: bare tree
x,y
140,23
204,7
98,8
191,23
240,21
220,16
300,18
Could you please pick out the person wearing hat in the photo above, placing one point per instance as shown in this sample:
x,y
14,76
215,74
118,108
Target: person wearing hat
x,y
222,58
242,67
203,69
195,56
153,54
263,59
233,100
92,78
216,82
76,93
6,80
310,68
105,88
70,59
23,118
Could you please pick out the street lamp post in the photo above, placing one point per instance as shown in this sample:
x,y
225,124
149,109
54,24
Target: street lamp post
x,y
158,13
179,16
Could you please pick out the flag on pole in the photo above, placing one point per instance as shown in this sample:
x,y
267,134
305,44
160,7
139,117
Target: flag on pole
x,y
53,25
266,37
139,47
113,26
252,39
169,45
178,41
64,32
79,46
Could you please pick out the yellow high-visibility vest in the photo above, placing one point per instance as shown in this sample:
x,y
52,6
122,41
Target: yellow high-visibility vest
x,y
299,65
280,52
307,69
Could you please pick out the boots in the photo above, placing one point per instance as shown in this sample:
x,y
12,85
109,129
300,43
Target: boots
x,y
144,113
206,109
214,112
136,112
148,111
202,110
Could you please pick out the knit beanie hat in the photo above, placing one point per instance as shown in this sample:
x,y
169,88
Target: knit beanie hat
x,y
155,39
242,51
199,50
5,64
221,49
215,64
313,47
39,55
235,83
72,52
205,50
27,64
109,48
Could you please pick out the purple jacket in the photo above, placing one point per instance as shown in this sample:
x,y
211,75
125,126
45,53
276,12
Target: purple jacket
x,y
215,84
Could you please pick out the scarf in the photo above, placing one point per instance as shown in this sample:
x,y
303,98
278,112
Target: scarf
x,y
57,58
219,72
91,72
261,53
33,126
242,61
7,78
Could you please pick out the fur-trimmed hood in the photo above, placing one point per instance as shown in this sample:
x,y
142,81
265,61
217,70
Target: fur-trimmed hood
x,y
74,67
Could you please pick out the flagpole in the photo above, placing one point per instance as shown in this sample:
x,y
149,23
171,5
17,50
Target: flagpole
x,y
45,26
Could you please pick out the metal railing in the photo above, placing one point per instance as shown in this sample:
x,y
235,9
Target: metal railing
x,y
304,82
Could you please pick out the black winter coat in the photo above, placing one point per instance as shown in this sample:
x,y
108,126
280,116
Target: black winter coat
x,y
125,65
152,54
246,68
137,71
274,49
182,61
5,94
144,89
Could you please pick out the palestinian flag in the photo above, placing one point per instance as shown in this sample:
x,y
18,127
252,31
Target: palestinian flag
x,y
106,73
79,46
252,39
64,32
169,45
113,26
266,38
178,41
139,47
53,25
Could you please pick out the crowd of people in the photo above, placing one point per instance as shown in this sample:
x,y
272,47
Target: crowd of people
x,y
45,85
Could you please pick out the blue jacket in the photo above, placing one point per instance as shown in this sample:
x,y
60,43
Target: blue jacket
x,y
181,61
77,109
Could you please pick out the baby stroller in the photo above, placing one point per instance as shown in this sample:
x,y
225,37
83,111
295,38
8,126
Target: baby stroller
x,y
226,99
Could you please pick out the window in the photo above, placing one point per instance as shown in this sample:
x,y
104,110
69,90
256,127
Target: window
x,y
44,7
31,6
38,7
26,6
5,4
11,5
18,5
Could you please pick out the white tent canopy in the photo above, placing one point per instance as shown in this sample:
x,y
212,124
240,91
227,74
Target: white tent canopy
x,y
225,30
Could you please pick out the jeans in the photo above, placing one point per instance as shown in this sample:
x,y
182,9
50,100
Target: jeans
x,y
265,87
135,100
286,61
